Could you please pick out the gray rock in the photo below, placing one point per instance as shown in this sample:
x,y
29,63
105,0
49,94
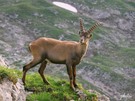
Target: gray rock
x,y
81,95
100,97
99,14
125,24
12,92
2,62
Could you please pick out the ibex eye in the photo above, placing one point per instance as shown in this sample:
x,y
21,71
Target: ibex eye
x,y
90,35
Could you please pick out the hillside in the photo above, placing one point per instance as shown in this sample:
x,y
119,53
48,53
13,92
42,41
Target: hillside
x,y
12,89
109,65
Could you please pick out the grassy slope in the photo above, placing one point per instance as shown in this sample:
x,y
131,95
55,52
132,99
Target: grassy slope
x,y
26,10
49,15
59,90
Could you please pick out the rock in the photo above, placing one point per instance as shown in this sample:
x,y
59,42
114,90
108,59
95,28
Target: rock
x,y
2,62
130,15
1,98
125,24
11,92
130,1
99,14
81,95
114,11
100,97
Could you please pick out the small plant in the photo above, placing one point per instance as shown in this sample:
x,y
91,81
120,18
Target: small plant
x,y
10,74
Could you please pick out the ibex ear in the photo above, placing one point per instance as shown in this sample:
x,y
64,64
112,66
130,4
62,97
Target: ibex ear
x,y
90,35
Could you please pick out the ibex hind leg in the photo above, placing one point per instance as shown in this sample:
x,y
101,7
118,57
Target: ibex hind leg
x,y
37,58
33,63
41,71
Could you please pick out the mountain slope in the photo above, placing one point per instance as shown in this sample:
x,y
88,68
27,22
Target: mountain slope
x,y
109,63
12,88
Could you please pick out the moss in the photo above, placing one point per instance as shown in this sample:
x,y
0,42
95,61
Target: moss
x,y
10,74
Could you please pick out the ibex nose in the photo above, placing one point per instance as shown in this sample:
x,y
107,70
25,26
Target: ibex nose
x,y
82,40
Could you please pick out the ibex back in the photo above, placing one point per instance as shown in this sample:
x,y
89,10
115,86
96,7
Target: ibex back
x,y
59,52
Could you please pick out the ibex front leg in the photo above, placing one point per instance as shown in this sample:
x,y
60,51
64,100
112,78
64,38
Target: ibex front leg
x,y
74,76
41,71
70,73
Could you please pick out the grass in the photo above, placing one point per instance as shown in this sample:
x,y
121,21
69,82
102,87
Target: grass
x,y
10,74
58,90
129,54
52,15
121,5
48,16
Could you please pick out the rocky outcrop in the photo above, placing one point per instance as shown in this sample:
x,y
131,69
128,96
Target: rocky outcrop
x,y
101,97
2,62
12,92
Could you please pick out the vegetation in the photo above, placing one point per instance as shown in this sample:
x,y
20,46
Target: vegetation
x,y
115,4
41,18
59,90
10,74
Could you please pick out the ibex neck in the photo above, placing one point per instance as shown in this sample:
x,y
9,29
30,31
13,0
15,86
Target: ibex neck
x,y
84,48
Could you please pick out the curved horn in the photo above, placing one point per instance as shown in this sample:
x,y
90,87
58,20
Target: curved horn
x,y
81,25
93,27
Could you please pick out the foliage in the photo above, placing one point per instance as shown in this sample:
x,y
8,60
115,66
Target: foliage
x,y
58,90
10,74
45,18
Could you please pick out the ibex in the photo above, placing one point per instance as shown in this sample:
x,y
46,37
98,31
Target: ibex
x,y
59,52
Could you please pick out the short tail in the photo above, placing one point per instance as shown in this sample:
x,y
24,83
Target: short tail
x,y
29,48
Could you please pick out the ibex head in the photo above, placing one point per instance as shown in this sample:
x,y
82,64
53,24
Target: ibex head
x,y
86,35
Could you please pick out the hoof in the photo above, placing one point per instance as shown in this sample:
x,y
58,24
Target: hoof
x,y
73,88
76,86
47,83
23,82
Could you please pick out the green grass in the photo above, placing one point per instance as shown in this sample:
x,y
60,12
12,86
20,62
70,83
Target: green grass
x,y
48,16
10,74
58,90
121,5
51,15
127,55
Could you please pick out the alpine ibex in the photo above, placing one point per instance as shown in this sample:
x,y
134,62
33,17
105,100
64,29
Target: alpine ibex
x,y
59,52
